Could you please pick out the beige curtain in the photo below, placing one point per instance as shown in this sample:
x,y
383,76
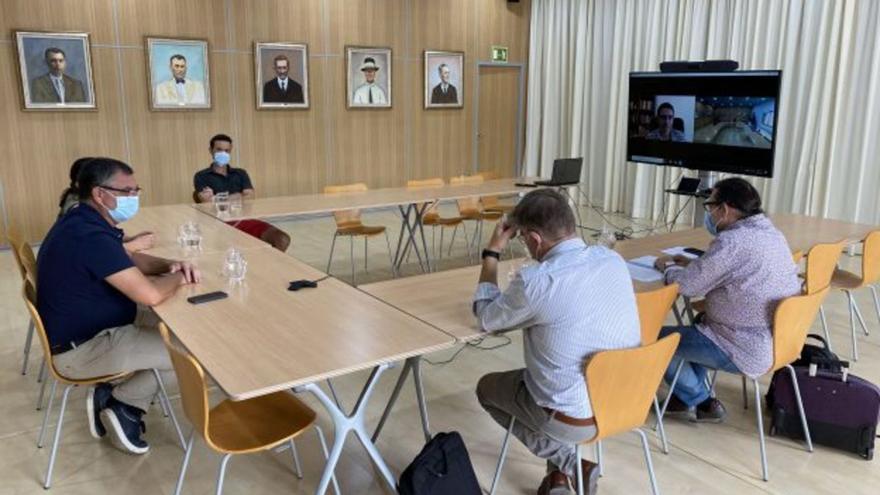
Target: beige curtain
x,y
827,152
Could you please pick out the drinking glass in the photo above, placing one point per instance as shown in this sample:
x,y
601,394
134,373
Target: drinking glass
x,y
190,235
235,206
234,266
221,203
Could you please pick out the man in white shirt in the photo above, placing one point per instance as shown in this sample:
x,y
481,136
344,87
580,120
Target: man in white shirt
x,y
369,93
179,90
576,301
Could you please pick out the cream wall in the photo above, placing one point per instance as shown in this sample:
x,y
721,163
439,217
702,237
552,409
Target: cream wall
x,y
286,152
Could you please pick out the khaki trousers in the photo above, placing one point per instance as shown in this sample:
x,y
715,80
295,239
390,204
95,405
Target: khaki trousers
x,y
137,348
505,394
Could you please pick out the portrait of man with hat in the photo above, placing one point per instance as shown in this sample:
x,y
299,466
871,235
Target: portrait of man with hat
x,y
374,78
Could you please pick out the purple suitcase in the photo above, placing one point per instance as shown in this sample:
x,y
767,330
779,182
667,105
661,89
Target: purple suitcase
x,y
840,414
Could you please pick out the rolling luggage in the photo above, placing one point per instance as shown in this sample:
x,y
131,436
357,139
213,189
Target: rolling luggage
x,y
842,410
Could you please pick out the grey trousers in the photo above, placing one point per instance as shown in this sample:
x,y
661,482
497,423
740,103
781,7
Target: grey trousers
x,y
135,348
504,395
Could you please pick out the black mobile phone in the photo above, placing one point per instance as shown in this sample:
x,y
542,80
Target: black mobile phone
x,y
694,251
210,296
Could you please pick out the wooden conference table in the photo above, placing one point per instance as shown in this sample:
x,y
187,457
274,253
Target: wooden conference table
x,y
444,299
412,202
264,338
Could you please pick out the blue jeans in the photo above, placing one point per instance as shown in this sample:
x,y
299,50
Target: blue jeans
x,y
699,355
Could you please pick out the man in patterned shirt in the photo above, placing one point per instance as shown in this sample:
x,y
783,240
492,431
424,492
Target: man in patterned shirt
x,y
745,273
576,301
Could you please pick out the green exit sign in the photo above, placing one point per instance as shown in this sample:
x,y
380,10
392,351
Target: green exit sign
x,y
499,53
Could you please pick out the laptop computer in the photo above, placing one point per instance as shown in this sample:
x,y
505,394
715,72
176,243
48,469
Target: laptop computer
x,y
688,186
566,172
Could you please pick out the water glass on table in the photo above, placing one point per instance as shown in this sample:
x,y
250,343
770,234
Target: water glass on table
x,y
221,203
234,266
235,205
190,235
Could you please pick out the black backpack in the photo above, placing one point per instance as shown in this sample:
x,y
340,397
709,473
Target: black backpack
x,y
821,356
442,467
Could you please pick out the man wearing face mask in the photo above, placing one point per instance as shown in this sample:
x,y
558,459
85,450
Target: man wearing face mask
x,y
221,177
577,301
94,298
746,271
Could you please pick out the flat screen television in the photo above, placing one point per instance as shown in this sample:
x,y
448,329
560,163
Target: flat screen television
x,y
718,121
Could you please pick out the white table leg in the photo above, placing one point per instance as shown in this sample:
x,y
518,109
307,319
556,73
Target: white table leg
x,y
344,424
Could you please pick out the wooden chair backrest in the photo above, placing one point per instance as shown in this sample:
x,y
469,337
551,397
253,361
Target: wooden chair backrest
x,y
29,292
16,241
871,258
28,262
821,263
622,384
435,182
191,380
791,322
468,204
797,256
347,218
653,307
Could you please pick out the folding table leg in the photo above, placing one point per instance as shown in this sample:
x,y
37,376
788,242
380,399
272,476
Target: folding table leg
x,y
344,424
411,364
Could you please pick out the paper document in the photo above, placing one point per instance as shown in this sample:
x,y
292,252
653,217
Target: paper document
x,y
679,250
642,269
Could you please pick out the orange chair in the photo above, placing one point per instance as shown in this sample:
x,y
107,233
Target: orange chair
x,y
621,385
471,209
432,218
821,262
849,282
237,427
348,223
21,248
791,322
30,300
653,307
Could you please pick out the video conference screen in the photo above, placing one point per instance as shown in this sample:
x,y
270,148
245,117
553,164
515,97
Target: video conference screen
x,y
723,121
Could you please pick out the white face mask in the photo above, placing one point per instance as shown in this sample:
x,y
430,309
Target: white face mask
x,y
126,208
221,158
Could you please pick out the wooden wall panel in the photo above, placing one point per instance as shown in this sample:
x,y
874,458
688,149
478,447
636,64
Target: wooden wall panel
x,y
174,19
287,152
91,16
278,20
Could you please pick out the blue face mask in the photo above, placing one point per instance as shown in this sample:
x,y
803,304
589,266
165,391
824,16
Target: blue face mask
x,y
126,208
710,224
221,158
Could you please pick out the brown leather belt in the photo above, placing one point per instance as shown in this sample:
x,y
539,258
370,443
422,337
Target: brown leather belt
x,y
558,416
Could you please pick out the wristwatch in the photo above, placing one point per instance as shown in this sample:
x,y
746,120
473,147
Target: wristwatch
x,y
490,254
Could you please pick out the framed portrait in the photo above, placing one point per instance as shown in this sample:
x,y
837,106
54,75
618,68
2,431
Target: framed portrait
x,y
178,74
368,71
444,79
282,71
55,71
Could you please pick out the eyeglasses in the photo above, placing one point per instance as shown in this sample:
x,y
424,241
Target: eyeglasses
x,y
707,204
128,191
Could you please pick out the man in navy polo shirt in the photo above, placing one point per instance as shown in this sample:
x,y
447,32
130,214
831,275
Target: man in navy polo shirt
x,y
88,298
220,177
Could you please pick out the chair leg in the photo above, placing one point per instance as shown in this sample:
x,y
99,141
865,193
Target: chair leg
x,y
825,326
42,385
351,245
859,315
800,404
600,459
332,248
876,300
46,415
663,441
671,388
712,383
648,462
297,467
852,327
166,404
579,469
366,256
745,393
55,442
677,314
42,374
27,346
222,474
327,457
189,447
502,456
764,468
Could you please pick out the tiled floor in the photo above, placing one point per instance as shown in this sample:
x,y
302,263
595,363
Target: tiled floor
x,y
716,459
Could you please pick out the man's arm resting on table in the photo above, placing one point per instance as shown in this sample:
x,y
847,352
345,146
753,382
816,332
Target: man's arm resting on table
x,y
143,290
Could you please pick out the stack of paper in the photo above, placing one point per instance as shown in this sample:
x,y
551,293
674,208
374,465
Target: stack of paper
x,y
642,269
